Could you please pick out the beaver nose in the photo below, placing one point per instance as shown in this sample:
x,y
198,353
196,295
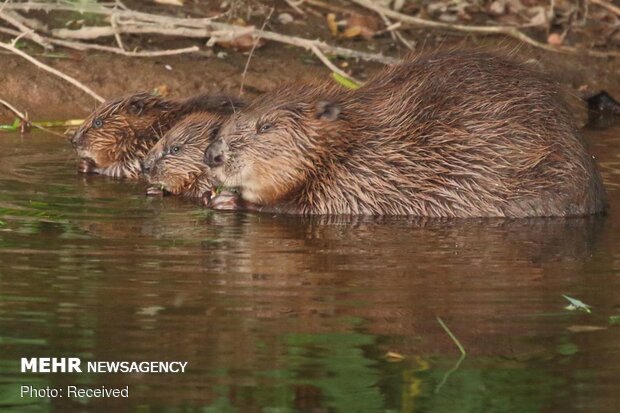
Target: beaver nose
x,y
75,139
214,155
145,166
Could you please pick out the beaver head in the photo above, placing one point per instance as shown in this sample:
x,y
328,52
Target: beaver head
x,y
116,136
174,165
267,150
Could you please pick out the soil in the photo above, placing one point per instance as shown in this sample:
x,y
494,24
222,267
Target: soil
x,y
46,97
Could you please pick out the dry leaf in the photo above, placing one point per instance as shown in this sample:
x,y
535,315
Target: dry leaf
x,y
364,26
243,43
394,357
355,25
170,2
285,18
162,90
498,7
584,329
332,24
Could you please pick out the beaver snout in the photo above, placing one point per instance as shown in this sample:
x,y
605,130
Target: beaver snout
x,y
215,155
145,167
75,139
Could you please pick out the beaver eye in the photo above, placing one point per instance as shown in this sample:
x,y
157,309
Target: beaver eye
x,y
97,123
265,127
175,149
213,133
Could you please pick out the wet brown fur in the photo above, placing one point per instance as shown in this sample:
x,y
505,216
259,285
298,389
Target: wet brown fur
x,y
132,125
175,163
448,134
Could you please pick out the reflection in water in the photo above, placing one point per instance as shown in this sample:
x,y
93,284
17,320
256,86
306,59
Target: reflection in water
x,y
288,314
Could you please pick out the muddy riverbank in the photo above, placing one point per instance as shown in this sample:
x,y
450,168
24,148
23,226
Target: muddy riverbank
x,y
46,97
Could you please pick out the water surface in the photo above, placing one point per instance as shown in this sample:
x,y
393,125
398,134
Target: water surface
x,y
284,314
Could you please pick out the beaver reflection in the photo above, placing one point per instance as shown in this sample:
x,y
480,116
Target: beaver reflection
x,y
230,305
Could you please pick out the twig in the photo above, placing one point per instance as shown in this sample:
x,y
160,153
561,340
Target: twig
x,y
295,6
17,113
504,30
404,41
117,35
611,7
461,349
331,66
396,34
189,27
95,32
51,70
91,46
452,336
13,20
256,40
388,26
24,118
449,373
327,6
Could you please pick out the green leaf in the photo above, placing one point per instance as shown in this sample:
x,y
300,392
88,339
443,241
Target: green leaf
x,y
576,304
567,349
13,127
614,319
346,82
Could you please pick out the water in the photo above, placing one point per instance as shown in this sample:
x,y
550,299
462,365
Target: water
x,y
281,314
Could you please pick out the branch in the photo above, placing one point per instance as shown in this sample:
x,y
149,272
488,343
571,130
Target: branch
x,y
91,46
26,124
219,29
50,69
247,63
504,30
17,113
331,66
610,7
140,23
13,20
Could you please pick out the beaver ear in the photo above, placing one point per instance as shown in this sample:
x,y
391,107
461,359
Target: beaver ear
x,y
213,133
136,107
327,110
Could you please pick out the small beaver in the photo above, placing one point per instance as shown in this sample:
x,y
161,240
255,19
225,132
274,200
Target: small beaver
x,y
174,165
116,137
447,134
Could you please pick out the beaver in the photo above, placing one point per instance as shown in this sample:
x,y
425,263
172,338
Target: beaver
x,y
116,136
174,165
445,134
603,110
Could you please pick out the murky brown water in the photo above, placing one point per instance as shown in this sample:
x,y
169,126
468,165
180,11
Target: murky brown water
x,y
282,314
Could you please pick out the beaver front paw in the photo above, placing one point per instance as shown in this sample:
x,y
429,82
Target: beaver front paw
x,y
87,166
224,201
154,190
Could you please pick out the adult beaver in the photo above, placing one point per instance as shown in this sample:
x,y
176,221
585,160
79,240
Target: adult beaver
x,y
448,134
116,137
174,165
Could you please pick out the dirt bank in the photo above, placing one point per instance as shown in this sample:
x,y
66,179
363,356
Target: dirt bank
x,y
46,97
